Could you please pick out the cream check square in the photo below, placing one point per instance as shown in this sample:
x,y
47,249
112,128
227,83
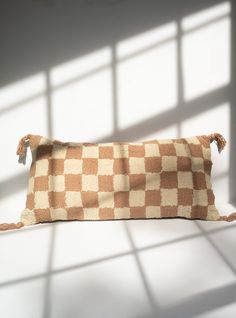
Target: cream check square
x,y
106,199
28,217
74,144
122,213
90,152
106,144
73,199
151,150
212,213
105,166
90,182
45,141
121,182
30,185
165,141
137,165
208,181
56,183
59,152
73,166
168,197
41,200
197,164
153,212
58,214
152,181
206,153
136,198
193,140
121,151
169,163
200,197
184,211
182,150
185,179
41,168
91,213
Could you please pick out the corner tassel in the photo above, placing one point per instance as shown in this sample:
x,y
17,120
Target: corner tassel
x,y
228,218
220,141
22,148
11,226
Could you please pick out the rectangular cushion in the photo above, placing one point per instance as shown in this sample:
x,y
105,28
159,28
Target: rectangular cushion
x,y
119,180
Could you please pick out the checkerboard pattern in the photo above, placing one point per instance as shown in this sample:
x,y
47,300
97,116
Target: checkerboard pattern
x,y
119,180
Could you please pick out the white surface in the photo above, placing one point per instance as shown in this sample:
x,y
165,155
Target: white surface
x,y
184,269
24,253
24,299
110,239
124,268
113,286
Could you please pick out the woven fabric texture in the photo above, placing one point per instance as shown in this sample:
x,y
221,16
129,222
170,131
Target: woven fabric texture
x,y
119,180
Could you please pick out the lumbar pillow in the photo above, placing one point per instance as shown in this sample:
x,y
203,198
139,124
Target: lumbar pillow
x,y
119,180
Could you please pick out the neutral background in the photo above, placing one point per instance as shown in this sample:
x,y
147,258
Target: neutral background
x,y
125,70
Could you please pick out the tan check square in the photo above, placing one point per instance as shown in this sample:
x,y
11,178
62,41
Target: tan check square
x,y
106,152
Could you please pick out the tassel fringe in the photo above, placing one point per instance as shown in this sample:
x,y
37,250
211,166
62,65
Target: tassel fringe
x,y
11,226
219,139
21,148
229,218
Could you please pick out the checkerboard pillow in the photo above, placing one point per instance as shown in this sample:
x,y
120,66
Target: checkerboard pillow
x,y
119,180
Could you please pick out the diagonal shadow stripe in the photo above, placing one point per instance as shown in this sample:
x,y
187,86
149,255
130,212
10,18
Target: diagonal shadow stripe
x,y
170,117
198,304
13,184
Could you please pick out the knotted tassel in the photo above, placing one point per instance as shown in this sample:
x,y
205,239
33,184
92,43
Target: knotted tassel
x,y
221,142
228,218
219,139
11,226
22,148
